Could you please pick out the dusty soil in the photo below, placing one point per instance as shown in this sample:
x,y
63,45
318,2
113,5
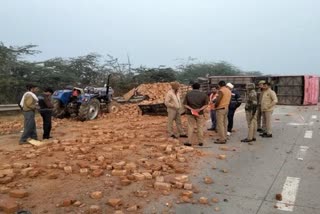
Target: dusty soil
x,y
120,156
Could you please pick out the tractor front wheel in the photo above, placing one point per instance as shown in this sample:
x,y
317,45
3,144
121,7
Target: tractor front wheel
x,y
89,110
58,110
113,107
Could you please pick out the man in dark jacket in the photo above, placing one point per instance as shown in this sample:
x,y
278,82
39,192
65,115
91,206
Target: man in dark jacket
x,y
195,102
234,104
46,111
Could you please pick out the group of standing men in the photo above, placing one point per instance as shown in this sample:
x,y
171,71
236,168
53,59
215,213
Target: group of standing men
x,y
29,104
223,102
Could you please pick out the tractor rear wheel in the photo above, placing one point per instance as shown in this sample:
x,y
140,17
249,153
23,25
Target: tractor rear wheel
x,y
90,110
113,107
58,110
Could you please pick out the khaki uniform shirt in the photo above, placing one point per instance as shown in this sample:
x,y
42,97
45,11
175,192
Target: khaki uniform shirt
x,y
269,100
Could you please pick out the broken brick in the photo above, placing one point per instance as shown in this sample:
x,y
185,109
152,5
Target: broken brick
x,y
8,205
114,202
96,195
162,186
203,200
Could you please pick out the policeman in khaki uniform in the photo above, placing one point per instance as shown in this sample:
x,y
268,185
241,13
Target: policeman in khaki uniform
x,y
251,113
174,107
268,102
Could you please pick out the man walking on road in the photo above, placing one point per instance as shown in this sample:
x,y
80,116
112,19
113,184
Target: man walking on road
x,y
46,111
222,105
259,115
195,102
251,113
268,101
174,107
234,104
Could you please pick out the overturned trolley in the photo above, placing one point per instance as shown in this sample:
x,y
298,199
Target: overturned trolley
x,y
291,90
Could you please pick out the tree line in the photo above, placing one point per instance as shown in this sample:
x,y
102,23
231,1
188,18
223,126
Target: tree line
x,y
93,69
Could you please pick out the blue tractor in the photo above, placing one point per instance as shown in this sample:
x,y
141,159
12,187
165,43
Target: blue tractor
x,y
83,104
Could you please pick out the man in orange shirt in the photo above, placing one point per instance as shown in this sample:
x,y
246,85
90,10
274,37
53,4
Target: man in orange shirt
x,y
221,106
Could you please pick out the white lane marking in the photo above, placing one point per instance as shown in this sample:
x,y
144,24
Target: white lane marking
x,y
314,117
301,117
297,124
302,152
308,134
289,193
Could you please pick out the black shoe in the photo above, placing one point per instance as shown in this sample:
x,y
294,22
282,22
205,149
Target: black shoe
x,y
211,129
266,135
200,144
183,136
254,139
219,142
187,144
173,136
259,130
246,140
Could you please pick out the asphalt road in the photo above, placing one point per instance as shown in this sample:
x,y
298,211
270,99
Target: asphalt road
x,y
288,163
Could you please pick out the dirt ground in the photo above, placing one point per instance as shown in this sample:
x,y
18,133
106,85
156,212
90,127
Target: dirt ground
x,y
115,164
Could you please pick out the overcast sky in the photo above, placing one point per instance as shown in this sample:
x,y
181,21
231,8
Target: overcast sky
x,y
271,36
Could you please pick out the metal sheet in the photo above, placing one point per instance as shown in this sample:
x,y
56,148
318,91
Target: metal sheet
x,y
311,90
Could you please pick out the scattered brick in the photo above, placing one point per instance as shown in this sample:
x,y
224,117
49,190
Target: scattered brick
x,y
8,205
67,169
203,200
84,171
162,186
208,180
114,202
19,193
222,157
97,172
278,197
187,186
95,209
96,195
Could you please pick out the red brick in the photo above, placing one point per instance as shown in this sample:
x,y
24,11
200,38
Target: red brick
x,y
6,180
138,176
162,186
114,202
67,169
119,165
8,205
203,200
187,186
19,193
95,209
207,180
84,171
53,176
97,172
117,172
188,194
96,195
